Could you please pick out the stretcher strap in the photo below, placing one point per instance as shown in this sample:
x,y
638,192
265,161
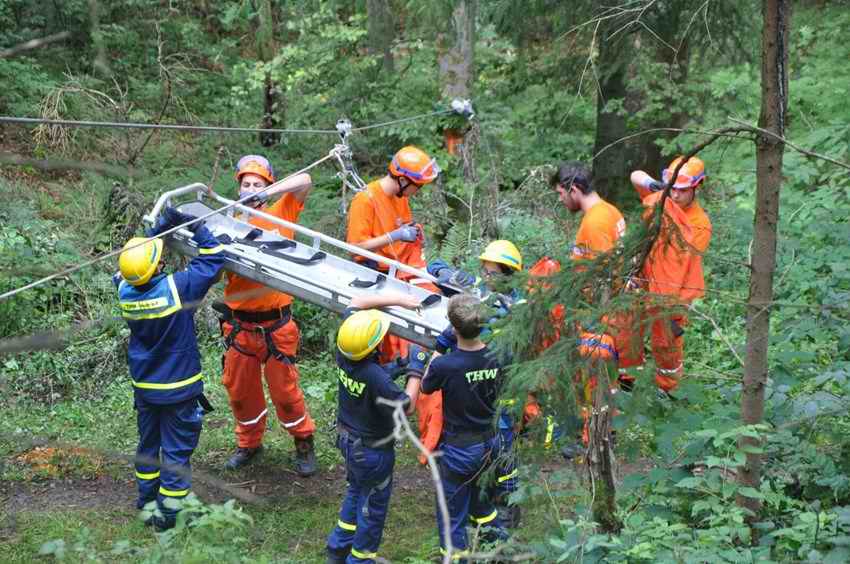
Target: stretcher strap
x,y
430,300
357,283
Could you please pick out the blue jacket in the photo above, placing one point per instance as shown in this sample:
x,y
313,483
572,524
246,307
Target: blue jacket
x,y
163,355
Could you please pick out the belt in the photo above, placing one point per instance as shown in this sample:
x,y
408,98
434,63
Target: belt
x,y
347,434
467,438
261,316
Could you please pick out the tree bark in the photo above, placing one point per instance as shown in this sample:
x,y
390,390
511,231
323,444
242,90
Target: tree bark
x,y
457,51
600,456
273,106
610,177
769,153
381,32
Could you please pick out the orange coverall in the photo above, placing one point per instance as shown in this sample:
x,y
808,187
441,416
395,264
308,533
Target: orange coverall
x,y
372,214
673,275
249,359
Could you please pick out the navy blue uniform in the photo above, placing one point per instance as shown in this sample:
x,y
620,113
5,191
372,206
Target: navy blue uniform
x,y
165,366
362,423
470,381
506,472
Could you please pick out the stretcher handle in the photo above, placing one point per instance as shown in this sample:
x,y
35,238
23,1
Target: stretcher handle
x,y
357,283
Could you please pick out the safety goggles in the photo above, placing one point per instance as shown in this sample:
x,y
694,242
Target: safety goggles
x,y
429,172
683,181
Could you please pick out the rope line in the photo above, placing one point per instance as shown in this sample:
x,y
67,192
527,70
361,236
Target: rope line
x,y
75,268
205,128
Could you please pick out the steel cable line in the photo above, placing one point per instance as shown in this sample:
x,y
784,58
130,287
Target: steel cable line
x,y
205,128
80,266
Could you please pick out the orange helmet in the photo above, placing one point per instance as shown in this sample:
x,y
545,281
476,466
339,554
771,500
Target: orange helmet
x,y
255,164
690,176
414,164
545,267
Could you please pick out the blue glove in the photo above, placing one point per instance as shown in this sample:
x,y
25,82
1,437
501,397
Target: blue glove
x,y
395,368
169,218
446,341
656,186
447,275
417,360
406,233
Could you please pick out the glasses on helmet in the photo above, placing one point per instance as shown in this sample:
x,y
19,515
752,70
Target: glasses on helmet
x,y
429,172
246,185
260,160
683,180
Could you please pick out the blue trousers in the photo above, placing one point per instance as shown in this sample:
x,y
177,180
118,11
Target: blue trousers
x,y
369,472
506,470
168,434
468,503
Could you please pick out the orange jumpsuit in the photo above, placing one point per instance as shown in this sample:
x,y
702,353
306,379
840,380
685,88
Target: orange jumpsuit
x,y
673,275
373,213
248,357
601,227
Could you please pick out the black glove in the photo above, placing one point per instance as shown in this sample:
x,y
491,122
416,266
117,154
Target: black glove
x,y
656,186
457,278
169,218
396,368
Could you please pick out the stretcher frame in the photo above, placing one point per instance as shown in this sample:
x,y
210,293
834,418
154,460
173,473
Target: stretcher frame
x,y
305,271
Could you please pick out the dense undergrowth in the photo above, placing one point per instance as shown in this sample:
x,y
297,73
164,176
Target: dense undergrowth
x,y
678,502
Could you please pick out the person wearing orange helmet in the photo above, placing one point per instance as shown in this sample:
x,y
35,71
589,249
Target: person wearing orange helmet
x,y
672,273
260,336
380,221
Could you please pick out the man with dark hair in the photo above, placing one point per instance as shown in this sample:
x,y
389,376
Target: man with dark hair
x,y
602,225
470,377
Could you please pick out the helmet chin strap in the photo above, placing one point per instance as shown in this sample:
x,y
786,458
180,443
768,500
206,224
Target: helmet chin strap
x,y
401,189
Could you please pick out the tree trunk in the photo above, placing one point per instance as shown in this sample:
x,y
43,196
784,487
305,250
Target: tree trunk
x,y
457,51
600,456
381,32
769,152
273,115
610,177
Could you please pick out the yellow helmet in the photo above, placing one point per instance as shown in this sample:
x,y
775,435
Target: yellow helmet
x,y
503,252
361,333
139,263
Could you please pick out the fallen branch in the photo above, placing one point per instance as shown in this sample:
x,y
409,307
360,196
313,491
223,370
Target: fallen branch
x,y
34,44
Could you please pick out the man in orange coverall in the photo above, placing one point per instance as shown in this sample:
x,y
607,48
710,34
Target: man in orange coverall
x,y
672,273
260,335
380,221
602,226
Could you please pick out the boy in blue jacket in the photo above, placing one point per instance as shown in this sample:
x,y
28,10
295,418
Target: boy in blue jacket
x,y
365,426
470,376
164,360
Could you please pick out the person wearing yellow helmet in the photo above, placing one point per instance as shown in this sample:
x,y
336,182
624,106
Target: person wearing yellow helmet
x,y
365,427
260,335
164,361
499,261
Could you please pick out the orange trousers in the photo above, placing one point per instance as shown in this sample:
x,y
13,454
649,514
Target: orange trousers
x,y
666,341
246,362
429,407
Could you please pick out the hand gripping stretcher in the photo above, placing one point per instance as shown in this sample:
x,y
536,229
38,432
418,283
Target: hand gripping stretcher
x,y
306,271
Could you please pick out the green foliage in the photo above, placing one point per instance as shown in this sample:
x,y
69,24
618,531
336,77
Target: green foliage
x,y
203,533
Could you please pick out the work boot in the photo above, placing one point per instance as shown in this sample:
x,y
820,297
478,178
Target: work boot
x,y
509,515
573,451
305,457
242,456
335,557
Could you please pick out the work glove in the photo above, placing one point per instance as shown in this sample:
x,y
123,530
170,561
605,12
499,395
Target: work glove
x,y
253,200
655,186
406,233
417,361
449,276
447,340
169,218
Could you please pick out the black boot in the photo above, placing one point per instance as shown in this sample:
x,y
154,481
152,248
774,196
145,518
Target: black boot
x,y
242,456
335,557
509,515
305,457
